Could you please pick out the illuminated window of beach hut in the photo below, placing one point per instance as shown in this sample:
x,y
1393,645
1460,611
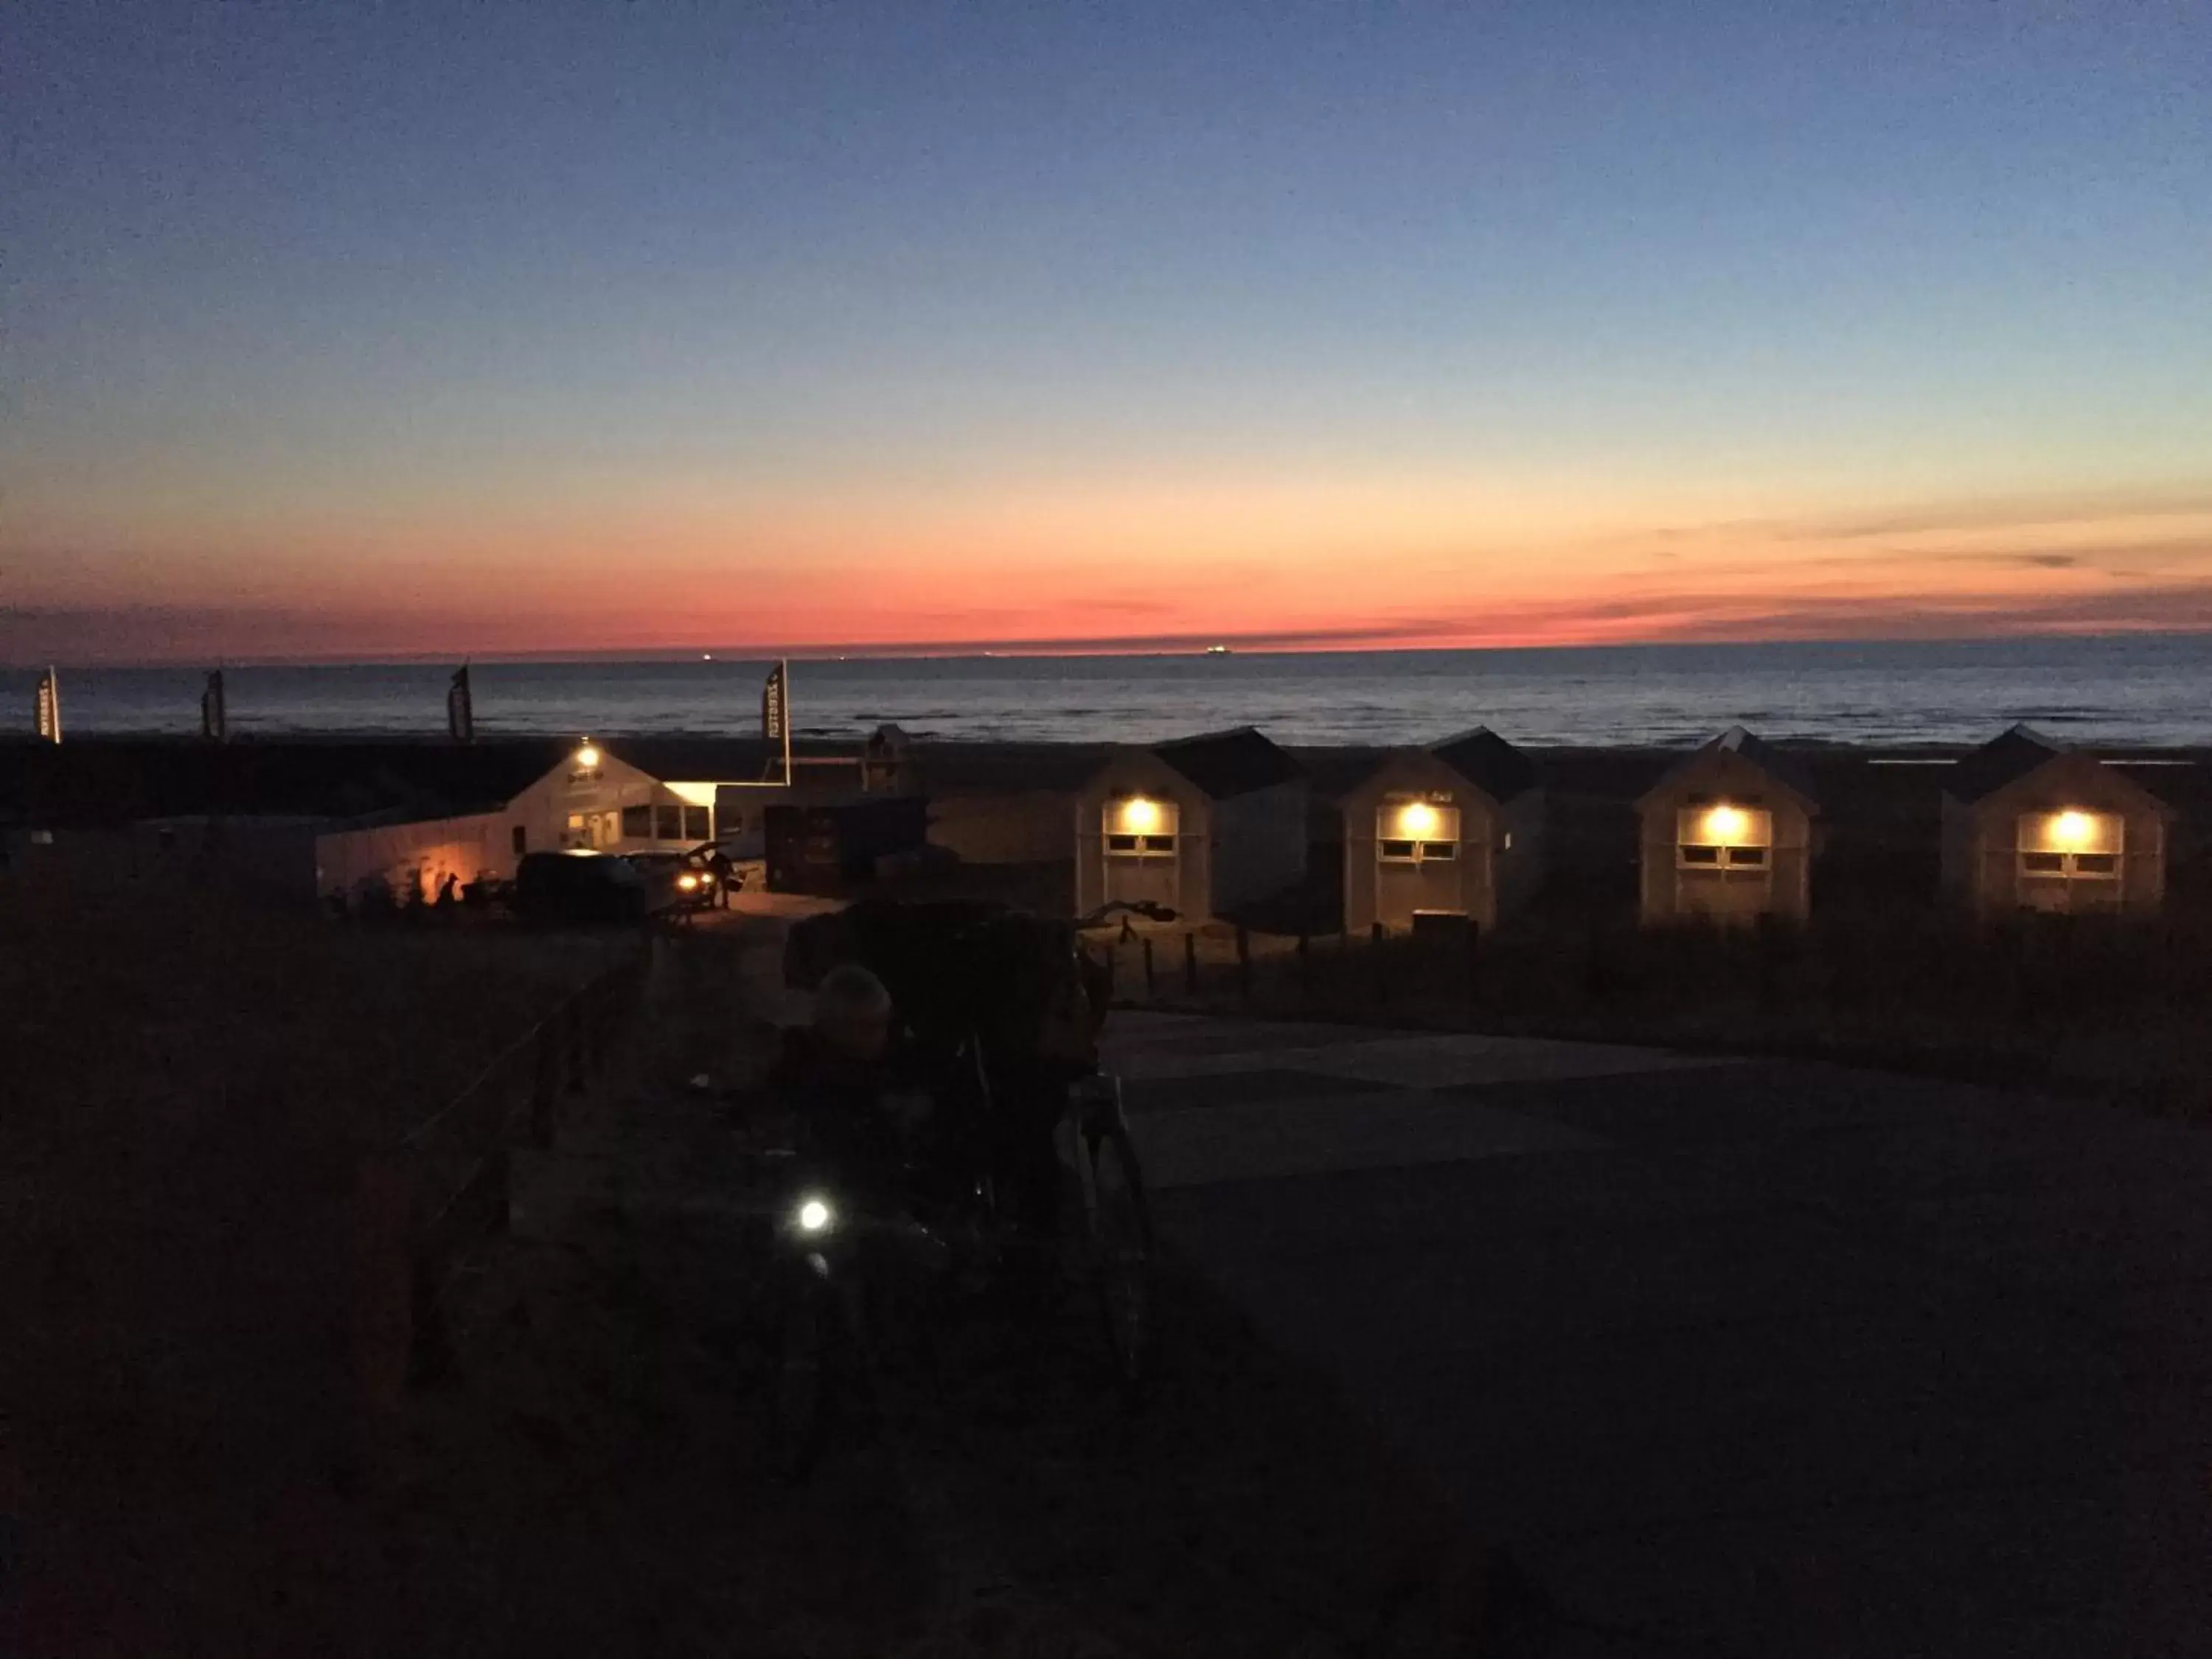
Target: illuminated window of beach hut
x,y
1723,835
1140,827
1416,831
2073,846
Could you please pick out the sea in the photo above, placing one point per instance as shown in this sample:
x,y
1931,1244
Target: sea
x,y
2133,690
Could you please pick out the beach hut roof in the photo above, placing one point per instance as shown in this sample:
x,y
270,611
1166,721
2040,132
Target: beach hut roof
x,y
2003,760
2020,751
1489,762
1783,768
1226,763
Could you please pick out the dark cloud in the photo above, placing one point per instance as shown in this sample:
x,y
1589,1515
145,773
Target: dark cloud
x,y
2170,607
1691,617
2000,514
1713,611
2182,550
1351,636
153,634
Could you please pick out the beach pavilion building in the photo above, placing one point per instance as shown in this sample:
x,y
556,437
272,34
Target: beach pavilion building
x,y
588,798
2031,824
1204,826
1456,829
1727,834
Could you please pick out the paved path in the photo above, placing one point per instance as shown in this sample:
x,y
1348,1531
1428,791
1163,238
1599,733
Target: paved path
x,y
1743,1358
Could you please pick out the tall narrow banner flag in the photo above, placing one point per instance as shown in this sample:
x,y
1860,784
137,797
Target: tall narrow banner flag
x,y
775,701
50,708
460,708
215,718
775,712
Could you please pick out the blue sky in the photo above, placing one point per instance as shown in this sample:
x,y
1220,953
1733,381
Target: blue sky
x,y
365,312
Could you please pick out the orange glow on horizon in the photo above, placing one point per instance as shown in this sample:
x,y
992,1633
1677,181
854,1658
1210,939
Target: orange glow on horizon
x,y
1366,564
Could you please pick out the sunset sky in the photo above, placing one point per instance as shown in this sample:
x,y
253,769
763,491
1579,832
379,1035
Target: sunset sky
x,y
370,330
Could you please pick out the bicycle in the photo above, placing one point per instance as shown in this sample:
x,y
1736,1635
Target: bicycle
x,y
979,990
1117,1223
840,1264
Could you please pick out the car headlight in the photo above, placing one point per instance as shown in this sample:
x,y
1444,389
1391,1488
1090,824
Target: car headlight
x,y
814,1215
687,883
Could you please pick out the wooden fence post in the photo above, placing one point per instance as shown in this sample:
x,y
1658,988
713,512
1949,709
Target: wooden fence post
x,y
1148,986
1244,962
1190,963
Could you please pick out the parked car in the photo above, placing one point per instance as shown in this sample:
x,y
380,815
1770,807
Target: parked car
x,y
578,888
677,881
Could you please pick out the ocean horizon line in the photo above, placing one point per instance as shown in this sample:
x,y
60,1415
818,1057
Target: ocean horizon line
x,y
2133,688
671,657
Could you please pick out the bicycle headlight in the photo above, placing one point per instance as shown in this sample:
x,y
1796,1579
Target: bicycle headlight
x,y
814,1215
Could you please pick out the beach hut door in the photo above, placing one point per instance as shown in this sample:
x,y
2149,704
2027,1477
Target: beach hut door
x,y
1417,859
1143,863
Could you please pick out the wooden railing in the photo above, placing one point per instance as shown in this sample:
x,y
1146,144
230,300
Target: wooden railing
x,y
425,1203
